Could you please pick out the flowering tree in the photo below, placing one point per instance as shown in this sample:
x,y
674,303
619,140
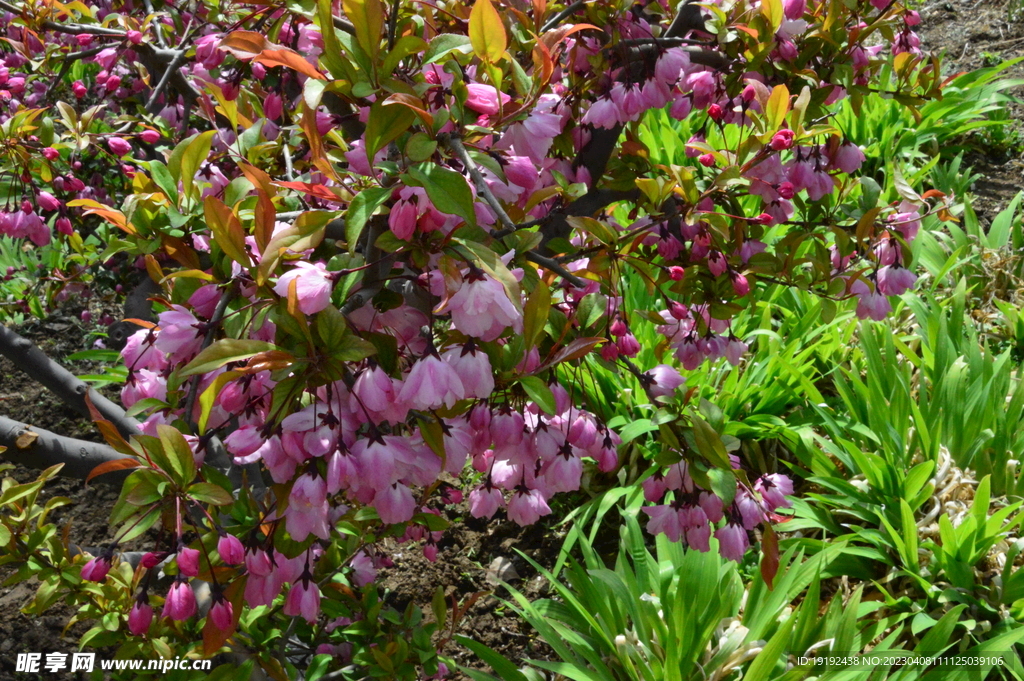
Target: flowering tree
x,y
379,238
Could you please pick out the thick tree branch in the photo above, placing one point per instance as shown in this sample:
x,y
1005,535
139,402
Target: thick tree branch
x,y
46,449
61,382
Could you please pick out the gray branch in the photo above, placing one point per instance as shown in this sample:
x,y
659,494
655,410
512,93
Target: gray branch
x,y
61,382
79,457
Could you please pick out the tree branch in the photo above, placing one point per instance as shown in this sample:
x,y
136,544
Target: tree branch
x,y
79,457
561,16
61,382
455,144
548,263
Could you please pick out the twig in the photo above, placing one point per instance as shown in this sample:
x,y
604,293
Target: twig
x,y
455,144
159,34
548,263
561,16
343,25
61,382
165,78
46,449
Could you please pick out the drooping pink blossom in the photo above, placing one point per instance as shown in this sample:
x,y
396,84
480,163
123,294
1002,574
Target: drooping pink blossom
x,y
181,601
313,286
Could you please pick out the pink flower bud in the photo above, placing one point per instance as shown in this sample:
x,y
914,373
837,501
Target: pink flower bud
x,y
140,617
51,154
47,201
676,273
86,316
707,160
149,136
135,37
783,139
786,190
188,562
152,559
96,569
118,146
181,601
230,549
715,113
78,89
222,613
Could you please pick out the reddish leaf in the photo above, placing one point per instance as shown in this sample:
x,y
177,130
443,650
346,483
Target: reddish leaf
x,y
413,103
114,217
110,467
244,44
290,59
317,190
555,36
769,556
574,350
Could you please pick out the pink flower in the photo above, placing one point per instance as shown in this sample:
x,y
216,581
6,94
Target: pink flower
x,y
96,569
473,369
732,541
179,335
774,489
47,201
140,617
394,504
485,501
181,602
118,146
794,9
188,562
313,286
894,280
303,599
363,569
230,549
873,305
481,308
402,219
783,140
222,613
664,520
484,98
603,113
665,379
79,90
848,158
430,384
526,506
307,508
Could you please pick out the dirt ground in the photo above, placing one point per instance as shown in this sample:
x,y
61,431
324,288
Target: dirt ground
x,y
972,33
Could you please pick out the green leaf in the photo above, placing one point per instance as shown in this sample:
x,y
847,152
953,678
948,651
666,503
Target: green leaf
x,y
486,32
209,493
367,16
540,393
723,484
501,665
637,428
360,210
384,125
445,43
193,156
224,351
709,443
178,453
447,189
